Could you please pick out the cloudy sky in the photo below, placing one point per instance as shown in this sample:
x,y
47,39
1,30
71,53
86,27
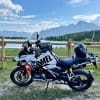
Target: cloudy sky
x,y
37,15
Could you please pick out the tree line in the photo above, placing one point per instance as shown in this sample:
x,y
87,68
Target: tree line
x,y
80,36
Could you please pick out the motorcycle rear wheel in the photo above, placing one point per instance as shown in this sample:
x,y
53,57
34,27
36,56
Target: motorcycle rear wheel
x,y
77,83
21,77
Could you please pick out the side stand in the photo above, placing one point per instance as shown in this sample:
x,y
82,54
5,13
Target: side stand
x,y
45,93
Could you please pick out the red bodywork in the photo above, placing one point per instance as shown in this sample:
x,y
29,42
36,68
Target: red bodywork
x,y
28,68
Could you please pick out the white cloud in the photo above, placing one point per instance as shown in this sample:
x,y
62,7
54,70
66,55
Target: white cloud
x,y
28,16
16,22
9,17
61,18
5,12
87,18
9,10
27,26
8,4
78,2
41,26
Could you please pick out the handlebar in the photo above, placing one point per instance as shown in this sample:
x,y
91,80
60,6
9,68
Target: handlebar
x,y
37,43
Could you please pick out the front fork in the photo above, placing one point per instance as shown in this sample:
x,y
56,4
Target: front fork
x,y
70,74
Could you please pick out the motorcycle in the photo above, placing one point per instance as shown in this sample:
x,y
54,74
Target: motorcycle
x,y
40,63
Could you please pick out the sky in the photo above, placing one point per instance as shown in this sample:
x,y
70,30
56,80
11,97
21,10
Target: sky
x,y
36,15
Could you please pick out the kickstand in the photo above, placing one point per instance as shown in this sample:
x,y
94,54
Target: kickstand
x,y
45,93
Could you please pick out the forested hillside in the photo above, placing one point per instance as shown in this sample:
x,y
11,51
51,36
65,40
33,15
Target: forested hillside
x,y
81,36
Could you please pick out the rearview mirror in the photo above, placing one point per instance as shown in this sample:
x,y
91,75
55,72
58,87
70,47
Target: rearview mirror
x,y
37,36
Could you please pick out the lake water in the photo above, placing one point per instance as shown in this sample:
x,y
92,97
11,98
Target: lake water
x,y
20,45
9,45
59,44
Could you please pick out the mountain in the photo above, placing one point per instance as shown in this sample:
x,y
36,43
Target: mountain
x,y
72,28
13,34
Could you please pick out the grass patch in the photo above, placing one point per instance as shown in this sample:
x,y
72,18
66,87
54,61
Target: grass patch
x,y
60,51
12,52
4,73
52,94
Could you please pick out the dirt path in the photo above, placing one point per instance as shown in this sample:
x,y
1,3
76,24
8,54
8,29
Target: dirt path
x,y
92,94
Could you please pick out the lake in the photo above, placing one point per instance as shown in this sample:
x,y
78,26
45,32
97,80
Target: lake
x,y
56,44
20,45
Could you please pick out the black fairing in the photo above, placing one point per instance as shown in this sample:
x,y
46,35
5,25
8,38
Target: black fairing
x,y
24,51
45,47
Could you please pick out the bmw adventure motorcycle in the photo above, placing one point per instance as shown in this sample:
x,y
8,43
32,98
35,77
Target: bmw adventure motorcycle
x,y
40,63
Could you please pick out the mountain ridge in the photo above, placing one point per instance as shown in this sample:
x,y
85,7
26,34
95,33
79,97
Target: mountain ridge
x,y
72,28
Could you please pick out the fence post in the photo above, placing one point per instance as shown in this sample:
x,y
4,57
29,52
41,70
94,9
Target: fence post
x,y
69,51
3,53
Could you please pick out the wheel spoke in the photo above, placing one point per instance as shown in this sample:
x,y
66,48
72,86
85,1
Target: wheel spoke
x,y
22,76
80,82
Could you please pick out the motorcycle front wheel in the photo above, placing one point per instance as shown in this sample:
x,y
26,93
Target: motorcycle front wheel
x,y
81,81
21,77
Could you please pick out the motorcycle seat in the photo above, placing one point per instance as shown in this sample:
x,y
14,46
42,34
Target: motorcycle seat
x,y
66,62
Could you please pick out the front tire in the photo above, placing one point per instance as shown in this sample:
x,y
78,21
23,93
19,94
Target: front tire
x,y
21,77
78,84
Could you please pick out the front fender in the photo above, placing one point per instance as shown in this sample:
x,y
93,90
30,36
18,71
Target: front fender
x,y
28,67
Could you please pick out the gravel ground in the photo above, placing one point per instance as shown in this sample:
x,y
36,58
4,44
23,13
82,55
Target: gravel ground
x,y
91,94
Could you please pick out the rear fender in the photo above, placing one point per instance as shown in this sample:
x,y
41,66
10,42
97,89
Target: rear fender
x,y
91,76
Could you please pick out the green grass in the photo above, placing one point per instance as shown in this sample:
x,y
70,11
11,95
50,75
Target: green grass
x,y
4,73
12,52
52,94
60,51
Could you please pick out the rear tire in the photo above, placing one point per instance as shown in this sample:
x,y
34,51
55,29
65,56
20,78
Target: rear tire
x,y
15,77
78,84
